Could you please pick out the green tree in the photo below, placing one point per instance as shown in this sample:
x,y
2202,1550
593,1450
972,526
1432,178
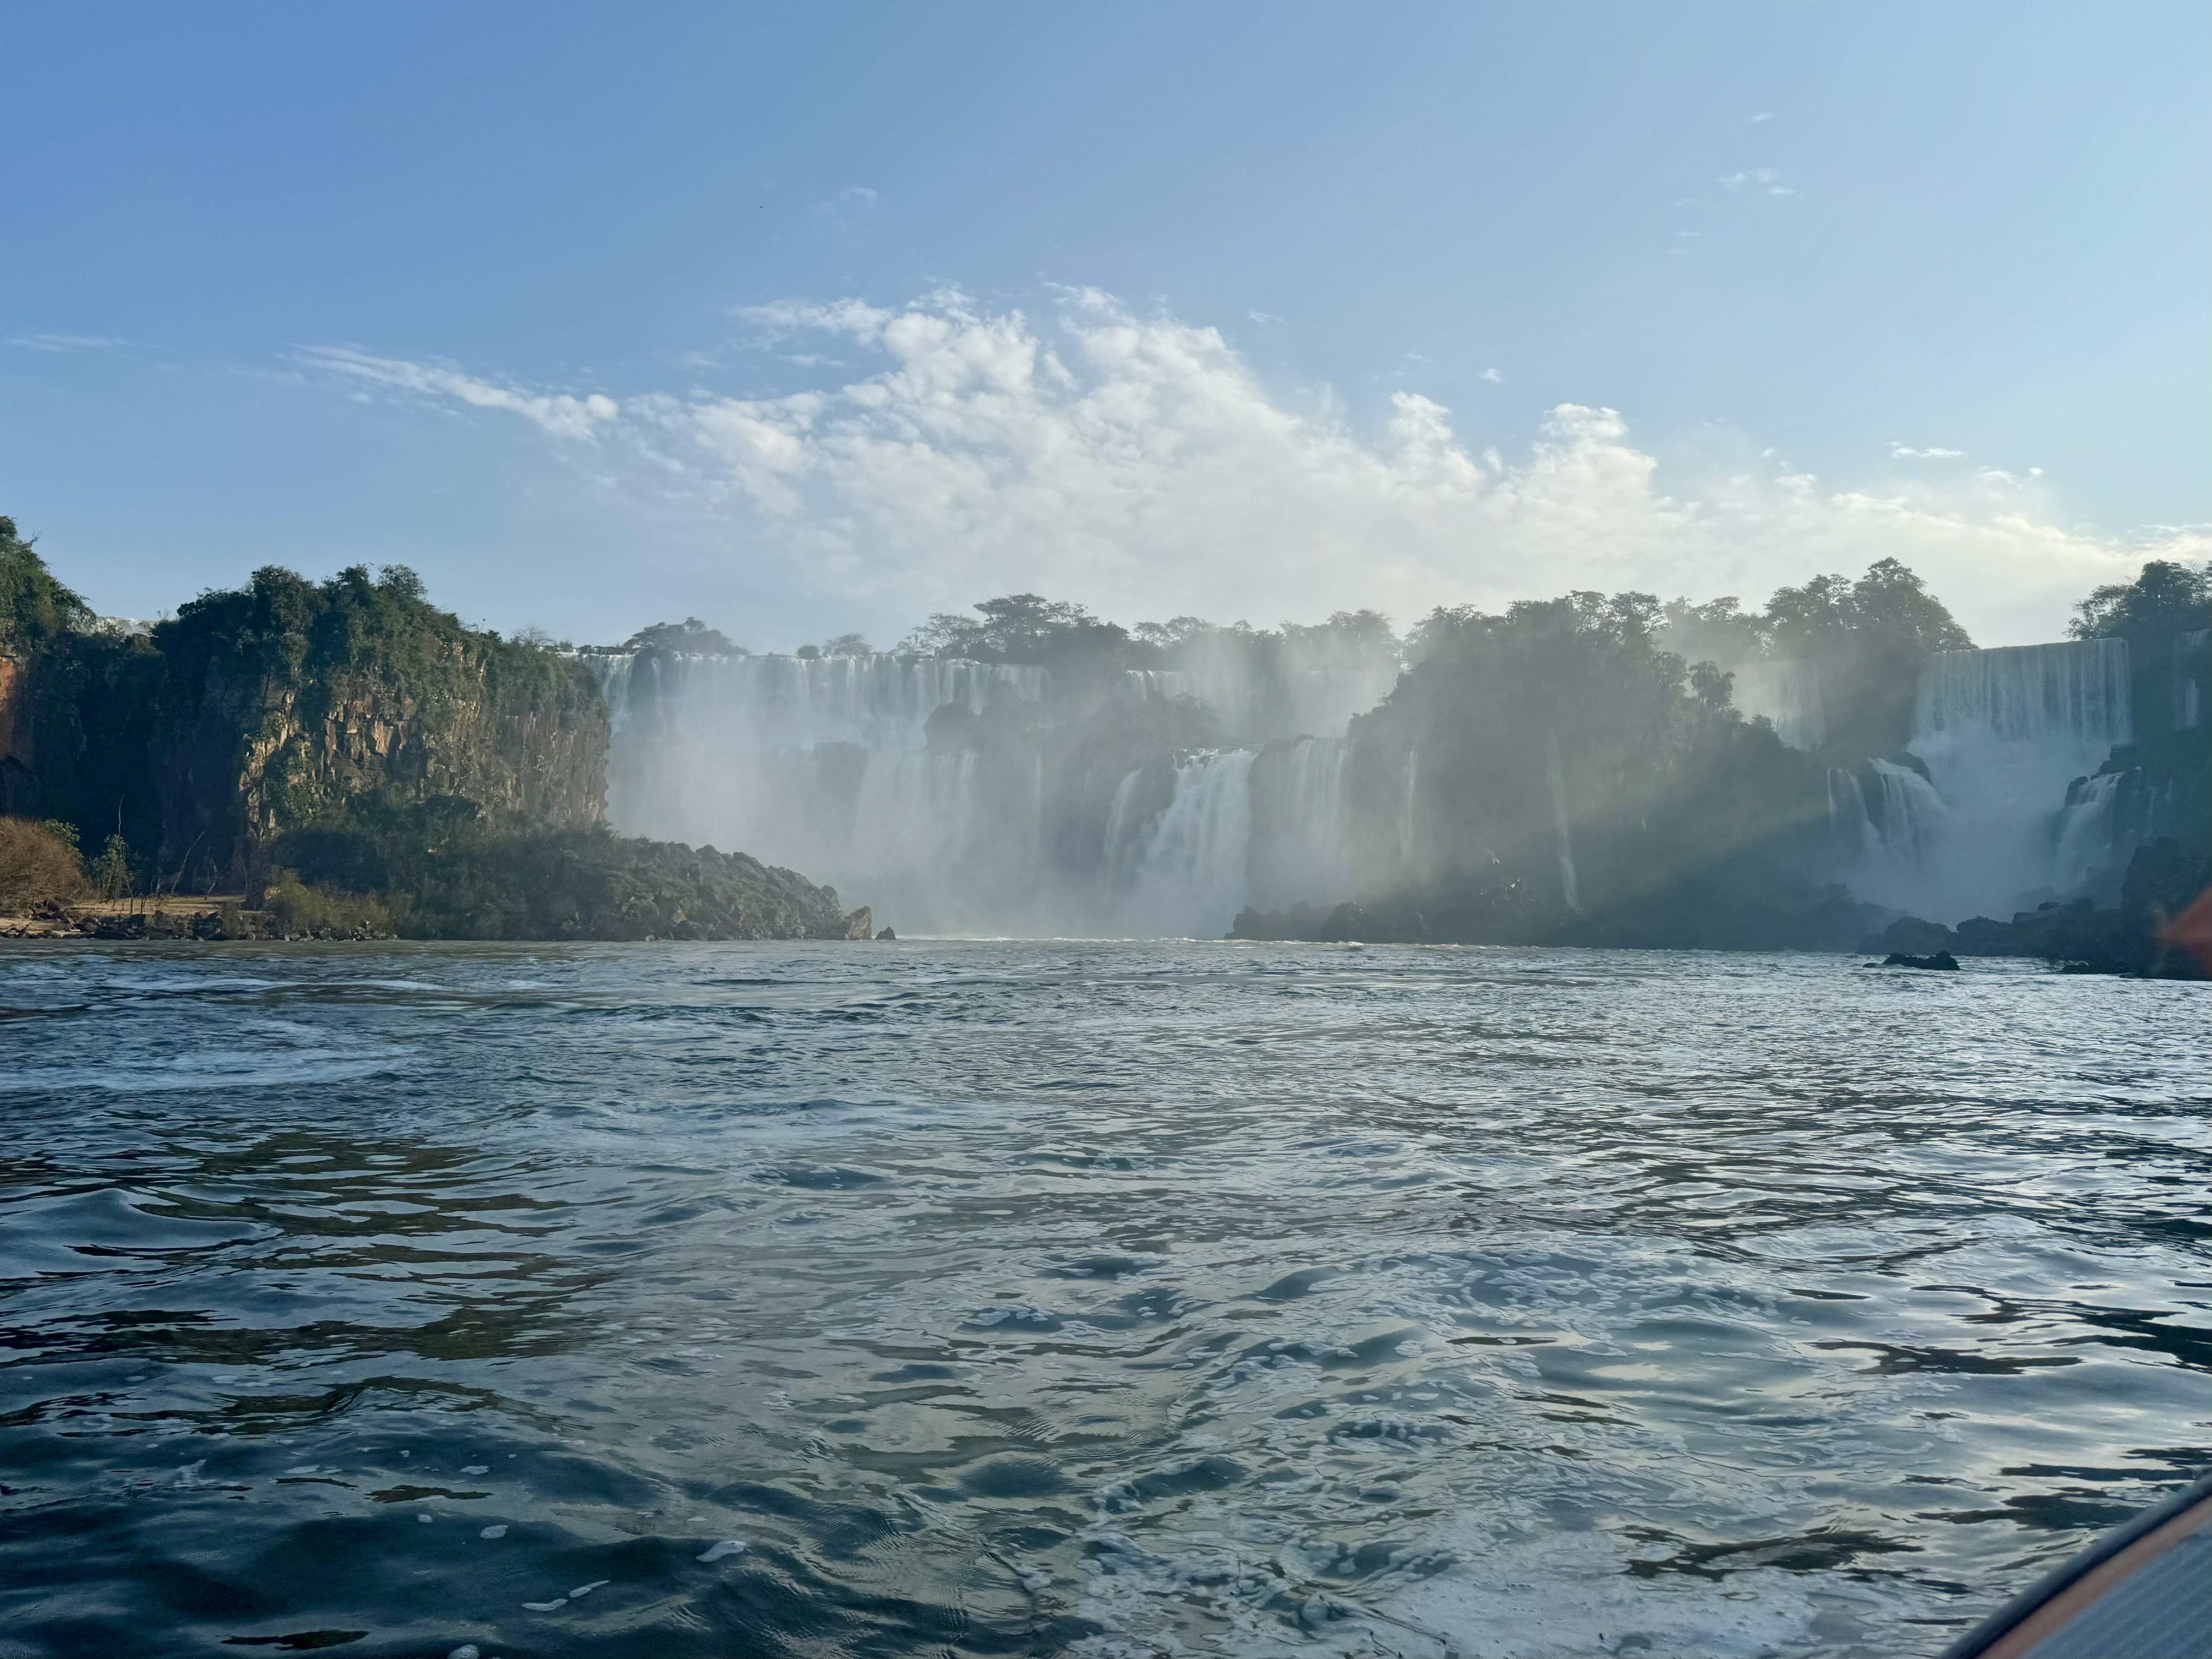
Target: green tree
x,y
110,871
34,607
1889,603
1024,628
691,637
2166,599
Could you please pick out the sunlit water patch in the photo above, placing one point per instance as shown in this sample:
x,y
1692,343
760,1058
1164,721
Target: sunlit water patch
x,y
1089,1299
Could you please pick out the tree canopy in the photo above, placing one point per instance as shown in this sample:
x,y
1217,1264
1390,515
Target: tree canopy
x,y
1024,628
2167,597
691,637
34,606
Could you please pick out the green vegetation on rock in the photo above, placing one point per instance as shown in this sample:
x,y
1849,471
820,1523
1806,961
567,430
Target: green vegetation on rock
x,y
286,701
359,762
438,869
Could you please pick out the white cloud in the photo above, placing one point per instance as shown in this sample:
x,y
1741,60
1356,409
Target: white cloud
x,y
562,414
1906,452
1135,463
1767,179
1263,318
1763,116
66,342
1494,376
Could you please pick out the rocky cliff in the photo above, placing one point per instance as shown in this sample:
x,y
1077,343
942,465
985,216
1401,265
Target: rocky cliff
x,y
358,763
289,703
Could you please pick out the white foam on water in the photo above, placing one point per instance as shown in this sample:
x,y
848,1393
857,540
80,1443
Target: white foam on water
x,y
466,1650
583,1590
499,1531
475,1468
727,1547
554,1606
426,1519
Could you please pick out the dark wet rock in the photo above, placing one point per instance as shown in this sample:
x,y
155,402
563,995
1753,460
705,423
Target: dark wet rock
x,y
887,933
1942,960
2079,937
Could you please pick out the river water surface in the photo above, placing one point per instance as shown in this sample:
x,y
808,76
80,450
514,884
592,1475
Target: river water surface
x,y
1098,1299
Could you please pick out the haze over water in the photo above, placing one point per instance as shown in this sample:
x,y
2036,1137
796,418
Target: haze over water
x,y
1100,1299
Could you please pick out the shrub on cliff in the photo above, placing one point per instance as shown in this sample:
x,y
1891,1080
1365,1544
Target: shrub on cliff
x,y
39,866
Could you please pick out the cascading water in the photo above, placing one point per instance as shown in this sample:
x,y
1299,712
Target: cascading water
x,y
829,765
1894,829
2008,812
2003,734
2092,839
1569,893
822,764
1188,875
881,701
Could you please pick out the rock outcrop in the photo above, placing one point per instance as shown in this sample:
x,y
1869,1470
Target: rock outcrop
x,y
287,702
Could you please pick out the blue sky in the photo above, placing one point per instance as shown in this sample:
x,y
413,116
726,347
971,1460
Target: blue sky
x,y
808,318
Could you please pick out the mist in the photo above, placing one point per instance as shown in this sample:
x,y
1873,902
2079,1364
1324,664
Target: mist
x,y
1590,767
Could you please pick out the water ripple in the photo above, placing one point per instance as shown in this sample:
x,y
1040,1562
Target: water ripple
x,y
1061,1297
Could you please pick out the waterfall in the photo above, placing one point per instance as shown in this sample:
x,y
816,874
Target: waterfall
x,y
1893,830
1788,695
2003,734
1299,854
881,701
1850,829
824,765
1567,883
1407,822
2091,838
1906,817
1189,874
2068,701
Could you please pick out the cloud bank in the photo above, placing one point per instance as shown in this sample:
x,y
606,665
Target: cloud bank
x,y
1138,464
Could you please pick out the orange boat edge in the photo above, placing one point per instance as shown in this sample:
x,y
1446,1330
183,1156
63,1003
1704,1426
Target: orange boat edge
x,y
2142,1591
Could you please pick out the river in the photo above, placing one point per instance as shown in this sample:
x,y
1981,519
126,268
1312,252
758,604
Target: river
x,y
1107,1299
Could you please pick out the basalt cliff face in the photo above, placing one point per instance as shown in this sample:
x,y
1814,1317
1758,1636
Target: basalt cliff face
x,y
356,762
288,703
